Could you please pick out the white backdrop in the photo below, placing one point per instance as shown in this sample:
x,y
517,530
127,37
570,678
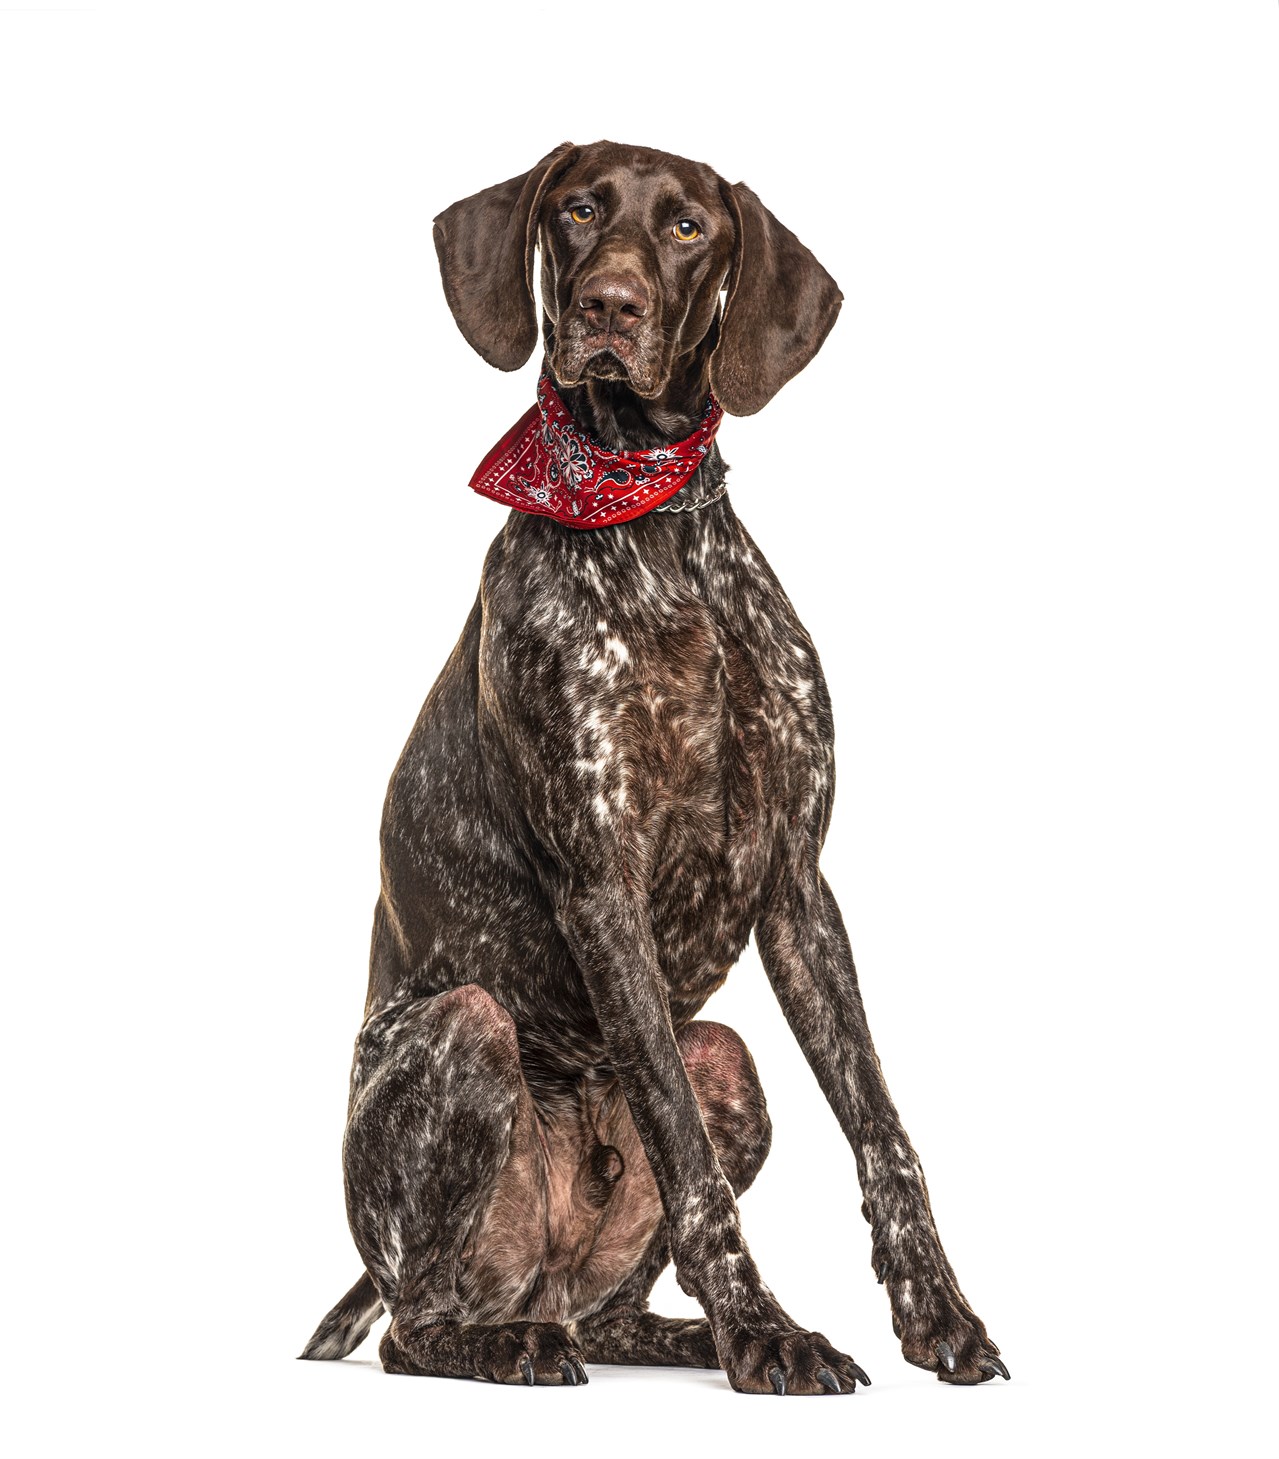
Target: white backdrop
x,y
1025,499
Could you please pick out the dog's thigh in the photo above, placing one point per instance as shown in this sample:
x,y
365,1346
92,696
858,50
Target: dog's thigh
x,y
436,1091
723,1076
440,1109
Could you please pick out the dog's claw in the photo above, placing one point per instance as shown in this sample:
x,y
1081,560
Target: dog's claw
x,y
994,1365
526,1367
778,1379
860,1374
569,1373
883,1272
947,1354
828,1380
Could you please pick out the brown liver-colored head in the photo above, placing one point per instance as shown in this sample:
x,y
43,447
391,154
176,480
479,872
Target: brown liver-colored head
x,y
636,248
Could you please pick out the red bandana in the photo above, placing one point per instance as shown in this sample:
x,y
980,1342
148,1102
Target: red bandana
x,y
548,465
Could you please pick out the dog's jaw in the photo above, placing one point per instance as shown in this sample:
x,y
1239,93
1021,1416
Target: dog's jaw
x,y
607,363
602,357
605,397
628,359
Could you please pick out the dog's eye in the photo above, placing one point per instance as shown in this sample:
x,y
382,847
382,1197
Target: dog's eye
x,y
583,213
686,230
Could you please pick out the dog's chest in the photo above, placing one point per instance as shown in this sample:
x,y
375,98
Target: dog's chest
x,y
741,764
691,730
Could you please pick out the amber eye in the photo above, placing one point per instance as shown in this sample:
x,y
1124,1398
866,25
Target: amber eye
x,y
686,230
583,213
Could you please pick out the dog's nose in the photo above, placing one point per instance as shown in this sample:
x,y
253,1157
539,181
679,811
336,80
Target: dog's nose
x,y
613,302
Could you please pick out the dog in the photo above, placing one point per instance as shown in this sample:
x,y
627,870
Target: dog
x,y
624,769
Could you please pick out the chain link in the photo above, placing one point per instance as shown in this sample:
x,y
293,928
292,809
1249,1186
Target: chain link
x,y
694,506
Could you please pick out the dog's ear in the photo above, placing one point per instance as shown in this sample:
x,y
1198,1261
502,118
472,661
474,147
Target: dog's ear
x,y
780,307
485,244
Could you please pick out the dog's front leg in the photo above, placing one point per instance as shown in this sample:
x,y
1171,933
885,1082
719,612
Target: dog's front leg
x,y
762,1350
806,954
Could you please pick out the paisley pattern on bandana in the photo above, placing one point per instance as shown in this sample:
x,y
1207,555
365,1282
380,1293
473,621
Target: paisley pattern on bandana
x,y
548,465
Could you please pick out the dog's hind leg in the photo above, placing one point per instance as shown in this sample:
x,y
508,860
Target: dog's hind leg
x,y
624,1331
439,1106
728,1091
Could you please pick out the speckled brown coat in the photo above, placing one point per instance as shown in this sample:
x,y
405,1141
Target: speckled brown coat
x,y
623,770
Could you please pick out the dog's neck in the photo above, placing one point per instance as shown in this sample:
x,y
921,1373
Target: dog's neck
x,y
624,421
612,412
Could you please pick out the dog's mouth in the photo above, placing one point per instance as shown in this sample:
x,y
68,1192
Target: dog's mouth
x,y
606,356
606,364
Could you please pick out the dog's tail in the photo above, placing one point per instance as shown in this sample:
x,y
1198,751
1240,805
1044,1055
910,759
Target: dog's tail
x,y
346,1327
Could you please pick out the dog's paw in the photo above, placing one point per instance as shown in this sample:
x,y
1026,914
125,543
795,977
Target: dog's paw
x,y
532,1353
791,1362
954,1346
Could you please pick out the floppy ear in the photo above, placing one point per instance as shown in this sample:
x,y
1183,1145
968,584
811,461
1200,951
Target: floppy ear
x,y
485,244
780,307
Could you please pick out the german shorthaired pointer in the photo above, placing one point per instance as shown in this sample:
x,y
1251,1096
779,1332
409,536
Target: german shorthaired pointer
x,y
624,768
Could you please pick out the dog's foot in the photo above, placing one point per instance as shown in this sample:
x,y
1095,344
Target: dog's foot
x,y
531,1353
790,1362
947,1339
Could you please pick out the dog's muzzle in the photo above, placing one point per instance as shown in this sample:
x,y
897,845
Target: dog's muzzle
x,y
609,333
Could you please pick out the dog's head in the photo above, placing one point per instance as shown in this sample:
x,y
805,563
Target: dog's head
x,y
636,248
